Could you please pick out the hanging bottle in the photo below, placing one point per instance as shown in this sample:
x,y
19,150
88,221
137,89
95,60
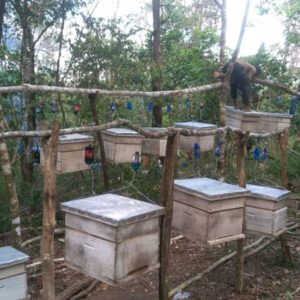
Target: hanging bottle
x,y
218,150
169,108
256,153
76,109
113,107
150,107
129,106
264,154
197,151
36,154
53,107
136,161
89,154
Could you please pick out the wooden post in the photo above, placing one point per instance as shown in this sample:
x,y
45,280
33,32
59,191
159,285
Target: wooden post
x,y
221,160
49,211
241,141
167,202
283,143
15,236
283,140
93,98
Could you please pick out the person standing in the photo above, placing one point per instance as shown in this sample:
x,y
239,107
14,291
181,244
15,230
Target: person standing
x,y
240,78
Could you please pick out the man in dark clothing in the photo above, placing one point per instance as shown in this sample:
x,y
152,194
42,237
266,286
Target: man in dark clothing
x,y
294,103
241,76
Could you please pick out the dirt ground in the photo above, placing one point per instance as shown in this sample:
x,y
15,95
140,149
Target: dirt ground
x,y
266,276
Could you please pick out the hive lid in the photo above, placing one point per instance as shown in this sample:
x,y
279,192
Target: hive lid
x,y
267,193
9,256
121,131
195,125
210,189
155,129
76,137
259,113
113,209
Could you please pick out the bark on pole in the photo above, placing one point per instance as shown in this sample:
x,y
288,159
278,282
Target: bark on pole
x,y
49,211
93,98
241,140
156,74
167,202
283,140
15,236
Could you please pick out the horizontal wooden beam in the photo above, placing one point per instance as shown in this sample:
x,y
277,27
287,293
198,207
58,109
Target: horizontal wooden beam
x,y
138,128
86,91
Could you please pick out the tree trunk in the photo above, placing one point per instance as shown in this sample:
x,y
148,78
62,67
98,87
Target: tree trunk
x,y
2,13
156,74
49,211
61,37
92,98
241,141
11,188
167,202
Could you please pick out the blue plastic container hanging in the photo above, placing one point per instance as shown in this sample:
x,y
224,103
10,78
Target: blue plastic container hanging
x,y
21,148
264,154
169,108
218,150
150,107
54,107
129,106
36,154
113,107
256,154
197,151
136,161
188,103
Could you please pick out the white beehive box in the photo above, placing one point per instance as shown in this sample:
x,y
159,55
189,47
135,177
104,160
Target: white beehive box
x,y
206,142
209,210
120,144
154,146
111,237
70,153
266,209
13,279
257,122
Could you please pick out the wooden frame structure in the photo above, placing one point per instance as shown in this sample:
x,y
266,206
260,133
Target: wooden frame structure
x,y
172,134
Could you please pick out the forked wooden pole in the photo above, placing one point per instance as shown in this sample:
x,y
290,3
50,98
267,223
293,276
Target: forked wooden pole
x,y
167,202
283,140
49,211
241,140
93,98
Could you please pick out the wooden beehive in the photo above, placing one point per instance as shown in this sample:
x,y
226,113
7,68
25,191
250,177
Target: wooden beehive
x,y
112,238
266,209
13,279
154,146
208,210
206,142
257,122
121,143
70,153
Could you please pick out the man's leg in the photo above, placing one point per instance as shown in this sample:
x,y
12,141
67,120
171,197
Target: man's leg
x,y
234,94
246,93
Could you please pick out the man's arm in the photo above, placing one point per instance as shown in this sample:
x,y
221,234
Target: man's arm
x,y
249,69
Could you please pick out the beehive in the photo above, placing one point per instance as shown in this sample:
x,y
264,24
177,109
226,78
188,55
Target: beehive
x,y
257,122
121,143
266,209
206,142
70,153
154,146
111,237
208,210
13,279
